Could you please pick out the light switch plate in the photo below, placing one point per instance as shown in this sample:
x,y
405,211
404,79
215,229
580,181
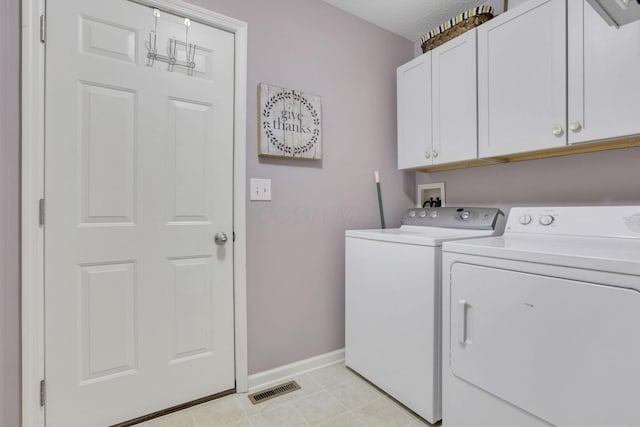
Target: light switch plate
x,y
260,189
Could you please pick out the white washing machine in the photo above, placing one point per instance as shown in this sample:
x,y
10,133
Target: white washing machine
x,y
542,324
393,301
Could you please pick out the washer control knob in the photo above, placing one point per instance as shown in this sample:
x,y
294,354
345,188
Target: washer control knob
x,y
433,214
526,219
423,214
465,215
546,220
412,214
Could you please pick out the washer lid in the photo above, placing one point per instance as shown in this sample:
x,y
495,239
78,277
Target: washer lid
x,y
610,254
418,235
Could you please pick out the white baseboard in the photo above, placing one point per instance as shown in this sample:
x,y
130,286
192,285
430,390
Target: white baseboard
x,y
274,376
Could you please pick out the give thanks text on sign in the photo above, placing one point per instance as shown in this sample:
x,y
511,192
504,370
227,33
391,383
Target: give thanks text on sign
x,y
290,123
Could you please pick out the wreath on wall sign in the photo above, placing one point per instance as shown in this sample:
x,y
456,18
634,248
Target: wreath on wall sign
x,y
275,117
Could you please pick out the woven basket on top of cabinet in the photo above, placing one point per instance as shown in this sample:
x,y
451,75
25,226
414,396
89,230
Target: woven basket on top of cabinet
x,y
456,26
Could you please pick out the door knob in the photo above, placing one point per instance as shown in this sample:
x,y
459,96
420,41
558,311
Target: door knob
x,y
221,238
427,154
435,153
558,131
575,126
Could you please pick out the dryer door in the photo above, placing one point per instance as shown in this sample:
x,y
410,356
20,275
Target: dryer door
x,y
562,350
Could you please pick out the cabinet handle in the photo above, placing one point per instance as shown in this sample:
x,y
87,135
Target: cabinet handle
x,y
558,131
575,127
427,154
435,153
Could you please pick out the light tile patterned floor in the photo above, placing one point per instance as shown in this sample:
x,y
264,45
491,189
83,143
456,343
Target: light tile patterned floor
x,y
330,397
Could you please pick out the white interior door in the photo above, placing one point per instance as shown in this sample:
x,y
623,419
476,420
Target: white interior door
x,y
138,296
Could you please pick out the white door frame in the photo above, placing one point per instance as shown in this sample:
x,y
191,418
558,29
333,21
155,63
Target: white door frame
x,y
33,132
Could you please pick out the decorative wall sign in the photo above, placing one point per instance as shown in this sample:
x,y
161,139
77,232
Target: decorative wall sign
x,y
290,123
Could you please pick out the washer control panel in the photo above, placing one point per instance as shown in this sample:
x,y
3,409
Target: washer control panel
x,y
452,217
601,221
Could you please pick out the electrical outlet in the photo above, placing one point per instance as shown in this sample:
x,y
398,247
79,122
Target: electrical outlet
x,y
260,189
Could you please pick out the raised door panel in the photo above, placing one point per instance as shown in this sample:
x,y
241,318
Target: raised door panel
x,y
414,113
107,321
603,87
107,117
455,101
191,296
188,168
107,39
558,349
522,79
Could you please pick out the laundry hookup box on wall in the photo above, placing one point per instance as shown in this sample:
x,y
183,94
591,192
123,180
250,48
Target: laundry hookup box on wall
x,y
430,195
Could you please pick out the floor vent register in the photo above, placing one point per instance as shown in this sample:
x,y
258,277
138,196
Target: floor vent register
x,y
275,391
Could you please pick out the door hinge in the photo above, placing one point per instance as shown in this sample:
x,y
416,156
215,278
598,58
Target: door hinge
x,y
41,212
233,235
43,28
43,394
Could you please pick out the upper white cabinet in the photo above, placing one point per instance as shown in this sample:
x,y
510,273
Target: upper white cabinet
x,y
550,74
414,113
437,105
455,100
522,88
604,83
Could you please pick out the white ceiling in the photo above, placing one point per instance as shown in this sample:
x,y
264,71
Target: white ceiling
x,y
409,18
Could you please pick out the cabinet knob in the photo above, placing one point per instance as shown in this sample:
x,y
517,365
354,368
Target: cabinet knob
x,y
427,154
435,153
575,127
558,131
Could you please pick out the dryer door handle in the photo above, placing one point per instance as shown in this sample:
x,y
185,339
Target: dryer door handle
x,y
462,321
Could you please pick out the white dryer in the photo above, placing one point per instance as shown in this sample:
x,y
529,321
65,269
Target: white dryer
x,y
393,300
542,324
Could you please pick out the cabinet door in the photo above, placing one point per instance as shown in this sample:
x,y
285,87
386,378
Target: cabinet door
x,y
455,101
522,79
604,88
414,113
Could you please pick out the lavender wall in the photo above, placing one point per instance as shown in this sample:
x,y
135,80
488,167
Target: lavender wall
x,y
609,177
296,242
9,214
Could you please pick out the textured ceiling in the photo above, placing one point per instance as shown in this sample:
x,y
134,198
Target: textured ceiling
x,y
409,18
